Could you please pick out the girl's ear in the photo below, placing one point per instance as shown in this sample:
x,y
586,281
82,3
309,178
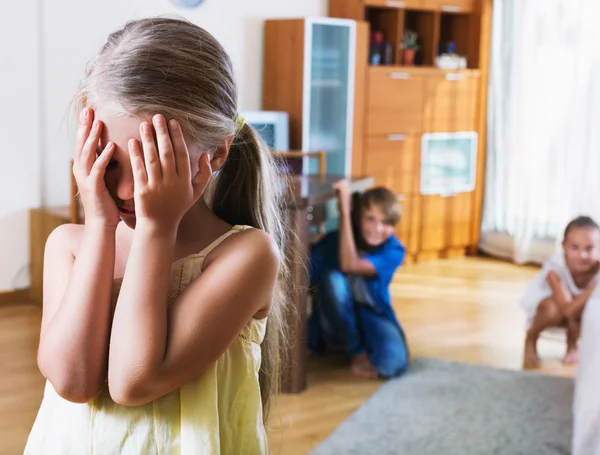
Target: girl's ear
x,y
218,159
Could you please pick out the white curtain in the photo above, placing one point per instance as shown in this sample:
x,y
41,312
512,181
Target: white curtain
x,y
543,150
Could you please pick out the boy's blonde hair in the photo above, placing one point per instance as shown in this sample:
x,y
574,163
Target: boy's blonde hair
x,y
175,68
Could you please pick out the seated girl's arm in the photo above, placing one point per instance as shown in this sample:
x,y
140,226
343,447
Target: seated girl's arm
x,y
560,293
575,309
155,347
73,346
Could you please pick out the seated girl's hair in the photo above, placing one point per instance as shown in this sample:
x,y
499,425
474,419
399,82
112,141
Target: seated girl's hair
x,y
175,68
581,222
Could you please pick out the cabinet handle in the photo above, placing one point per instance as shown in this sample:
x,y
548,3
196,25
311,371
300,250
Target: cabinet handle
x,y
448,195
396,137
400,197
396,75
454,77
451,9
393,4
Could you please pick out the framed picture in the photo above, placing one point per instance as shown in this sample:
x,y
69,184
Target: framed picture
x,y
448,163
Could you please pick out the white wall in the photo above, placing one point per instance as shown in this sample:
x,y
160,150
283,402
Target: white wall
x,y
75,30
20,119
36,125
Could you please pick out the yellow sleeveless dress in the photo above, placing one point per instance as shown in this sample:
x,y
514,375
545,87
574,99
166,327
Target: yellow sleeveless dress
x,y
220,412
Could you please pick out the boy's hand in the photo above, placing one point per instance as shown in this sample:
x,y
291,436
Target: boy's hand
x,y
342,189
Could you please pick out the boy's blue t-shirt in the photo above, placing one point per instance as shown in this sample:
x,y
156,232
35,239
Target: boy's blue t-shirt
x,y
386,258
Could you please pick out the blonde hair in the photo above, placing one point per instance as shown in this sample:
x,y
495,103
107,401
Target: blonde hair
x,y
175,68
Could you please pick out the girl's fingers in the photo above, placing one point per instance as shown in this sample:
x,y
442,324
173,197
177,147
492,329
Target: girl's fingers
x,y
90,147
202,177
140,176
165,147
151,159
182,157
83,132
99,167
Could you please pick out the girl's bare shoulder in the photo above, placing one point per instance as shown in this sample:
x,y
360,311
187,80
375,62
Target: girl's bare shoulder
x,y
66,237
250,241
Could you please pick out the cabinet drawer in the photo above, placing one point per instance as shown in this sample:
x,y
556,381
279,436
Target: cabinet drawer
x,y
461,219
434,223
451,102
450,6
408,230
395,102
393,162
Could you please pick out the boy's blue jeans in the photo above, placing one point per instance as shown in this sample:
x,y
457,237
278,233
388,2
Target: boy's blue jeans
x,y
360,329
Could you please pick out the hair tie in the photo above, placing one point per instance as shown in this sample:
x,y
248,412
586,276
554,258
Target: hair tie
x,y
239,122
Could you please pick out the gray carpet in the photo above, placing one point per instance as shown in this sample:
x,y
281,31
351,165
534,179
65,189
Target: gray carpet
x,y
446,408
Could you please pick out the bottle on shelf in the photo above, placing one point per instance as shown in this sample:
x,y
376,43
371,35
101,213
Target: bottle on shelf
x,y
388,53
376,50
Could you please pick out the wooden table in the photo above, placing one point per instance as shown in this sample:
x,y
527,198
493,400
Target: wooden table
x,y
314,201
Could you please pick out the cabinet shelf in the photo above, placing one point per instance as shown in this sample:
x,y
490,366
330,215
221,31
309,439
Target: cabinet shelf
x,y
425,70
438,23
326,83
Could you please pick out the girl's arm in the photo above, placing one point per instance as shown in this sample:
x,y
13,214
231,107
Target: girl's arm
x,y
350,262
155,347
560,293
73,346
575,309
77,307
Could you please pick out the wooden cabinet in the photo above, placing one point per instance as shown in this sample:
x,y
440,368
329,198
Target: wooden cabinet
x,y
433,223
446,223
393,161
451,102
395,101
450,6
311,73
409,228
402,105
460,220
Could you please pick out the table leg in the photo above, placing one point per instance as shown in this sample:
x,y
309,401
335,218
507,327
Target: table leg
x,y
293,374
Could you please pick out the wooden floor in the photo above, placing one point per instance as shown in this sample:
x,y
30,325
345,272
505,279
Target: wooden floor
x,y
464,310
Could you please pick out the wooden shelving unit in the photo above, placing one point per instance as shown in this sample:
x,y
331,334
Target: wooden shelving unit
x,y
404,102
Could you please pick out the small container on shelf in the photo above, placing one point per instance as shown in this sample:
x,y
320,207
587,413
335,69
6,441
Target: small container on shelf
x,y
449,59
410,47
380,52
376,50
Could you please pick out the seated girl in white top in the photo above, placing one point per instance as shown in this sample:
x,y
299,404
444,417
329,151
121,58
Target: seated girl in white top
x,y
557,295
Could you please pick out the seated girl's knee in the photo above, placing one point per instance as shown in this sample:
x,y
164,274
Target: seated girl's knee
x,y
549,309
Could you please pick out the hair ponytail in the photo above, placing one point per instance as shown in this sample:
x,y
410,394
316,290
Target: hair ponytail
x,y
249,190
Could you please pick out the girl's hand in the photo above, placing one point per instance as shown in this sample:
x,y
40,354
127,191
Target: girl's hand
x,y
89,169
163,186
342,189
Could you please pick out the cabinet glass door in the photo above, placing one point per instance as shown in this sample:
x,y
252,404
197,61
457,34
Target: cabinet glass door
x,y
330,73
